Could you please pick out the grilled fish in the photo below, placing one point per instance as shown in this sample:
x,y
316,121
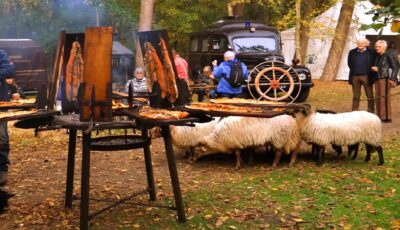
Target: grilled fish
x,y
162,80
169,72
74,73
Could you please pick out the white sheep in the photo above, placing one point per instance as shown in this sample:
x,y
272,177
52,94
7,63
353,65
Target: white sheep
x,y
341,129
188,137
236,133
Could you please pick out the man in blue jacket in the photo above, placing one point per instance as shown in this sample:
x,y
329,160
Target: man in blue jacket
x,y
223,72
7,70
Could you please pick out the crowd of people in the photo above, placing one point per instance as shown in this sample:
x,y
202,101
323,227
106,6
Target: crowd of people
x,y
377,67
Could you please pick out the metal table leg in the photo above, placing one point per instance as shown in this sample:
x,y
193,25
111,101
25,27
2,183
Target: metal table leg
x,y
173,174
70,168
84,219
149,169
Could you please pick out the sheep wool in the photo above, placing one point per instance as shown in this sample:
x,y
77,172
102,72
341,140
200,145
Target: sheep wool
x,y
232,133
342,128
184,137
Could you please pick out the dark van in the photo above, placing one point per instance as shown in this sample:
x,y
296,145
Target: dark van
x,y
259,47
28,58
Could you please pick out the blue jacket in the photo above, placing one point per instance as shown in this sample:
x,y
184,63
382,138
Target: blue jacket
x,y
7,70
223,71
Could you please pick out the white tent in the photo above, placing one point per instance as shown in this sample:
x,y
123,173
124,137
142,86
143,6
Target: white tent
x,y
321,37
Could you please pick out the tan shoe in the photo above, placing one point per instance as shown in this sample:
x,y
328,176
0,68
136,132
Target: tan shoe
x,y
3,178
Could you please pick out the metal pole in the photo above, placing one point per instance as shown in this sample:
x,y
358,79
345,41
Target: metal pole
x,y
149,169
173,173
84,220
70,168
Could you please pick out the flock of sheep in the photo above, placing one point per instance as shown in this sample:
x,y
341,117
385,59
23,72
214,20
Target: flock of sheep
x,y
284,134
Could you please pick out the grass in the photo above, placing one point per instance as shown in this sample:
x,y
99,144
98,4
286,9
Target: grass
x,y
344,194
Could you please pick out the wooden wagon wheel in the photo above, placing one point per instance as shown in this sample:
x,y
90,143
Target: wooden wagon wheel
x,y
274,81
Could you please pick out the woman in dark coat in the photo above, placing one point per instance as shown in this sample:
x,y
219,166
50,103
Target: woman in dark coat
x,y
387,68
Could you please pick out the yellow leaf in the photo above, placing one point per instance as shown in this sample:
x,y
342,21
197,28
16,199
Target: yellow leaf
x,y
298,220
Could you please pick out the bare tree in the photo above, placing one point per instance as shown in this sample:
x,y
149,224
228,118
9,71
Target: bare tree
x,y
336,51
145,22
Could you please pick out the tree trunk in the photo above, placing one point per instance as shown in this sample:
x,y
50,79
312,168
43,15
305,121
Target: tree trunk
x,y
336,51
297,53
306,10
145,21
230,9
238,9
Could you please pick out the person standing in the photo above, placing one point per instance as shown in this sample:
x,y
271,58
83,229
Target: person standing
x,y
182,66
138,82
360,60
7,70
227,86
387,67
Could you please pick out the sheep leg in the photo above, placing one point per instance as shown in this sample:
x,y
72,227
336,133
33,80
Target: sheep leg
x,y
350,149
293,158
369,150
189,153
320,154
251,157
238,159
380,154
314,150
269,149
278,155
355,151
338,149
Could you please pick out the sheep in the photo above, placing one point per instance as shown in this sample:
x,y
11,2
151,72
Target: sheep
x,y
188,137
350,128
236,133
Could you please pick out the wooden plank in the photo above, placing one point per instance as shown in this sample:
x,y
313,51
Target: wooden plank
x,y
97,73
56,75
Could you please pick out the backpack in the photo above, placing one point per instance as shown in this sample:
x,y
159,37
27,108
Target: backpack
x,y
236,78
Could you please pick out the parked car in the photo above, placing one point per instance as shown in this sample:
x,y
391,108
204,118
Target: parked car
x,y
259,47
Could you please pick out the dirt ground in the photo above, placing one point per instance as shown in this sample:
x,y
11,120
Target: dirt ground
x,y
38,169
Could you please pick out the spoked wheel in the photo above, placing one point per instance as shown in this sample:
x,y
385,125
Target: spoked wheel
x,y
274,81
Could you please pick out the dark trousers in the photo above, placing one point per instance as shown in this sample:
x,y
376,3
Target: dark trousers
x,y
358,81
383,105
4,146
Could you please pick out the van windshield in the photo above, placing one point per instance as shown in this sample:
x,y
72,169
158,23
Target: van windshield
x,y
254,44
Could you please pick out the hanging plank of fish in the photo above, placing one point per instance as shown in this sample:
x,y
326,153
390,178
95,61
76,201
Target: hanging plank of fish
x,y
162,80
169,72
150,66
74,72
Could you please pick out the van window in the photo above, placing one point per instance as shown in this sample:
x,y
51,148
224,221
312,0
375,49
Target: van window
x,y
219,43
204,44
255,44
194,45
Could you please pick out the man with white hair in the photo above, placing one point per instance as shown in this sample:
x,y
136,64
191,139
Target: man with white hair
x,y
360,60
231,74
387,67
